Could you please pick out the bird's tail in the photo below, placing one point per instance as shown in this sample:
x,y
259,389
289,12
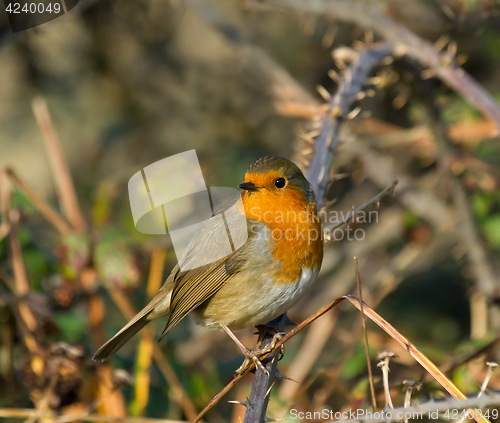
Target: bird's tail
x,y
158,307
117,341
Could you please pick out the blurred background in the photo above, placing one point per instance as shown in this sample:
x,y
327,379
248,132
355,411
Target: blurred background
x,y
124,84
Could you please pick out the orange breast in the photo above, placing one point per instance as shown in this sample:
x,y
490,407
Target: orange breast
x,y
295,234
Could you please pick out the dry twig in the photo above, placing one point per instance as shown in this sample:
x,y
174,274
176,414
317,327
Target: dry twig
x,y
59,165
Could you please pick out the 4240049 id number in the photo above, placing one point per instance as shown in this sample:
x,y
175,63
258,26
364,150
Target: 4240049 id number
x,y
454,414
33,8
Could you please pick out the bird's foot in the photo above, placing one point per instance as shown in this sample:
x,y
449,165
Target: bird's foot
x,y
251,355
268,330
254,355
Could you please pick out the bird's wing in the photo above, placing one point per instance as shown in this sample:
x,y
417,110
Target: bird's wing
x,y
194,286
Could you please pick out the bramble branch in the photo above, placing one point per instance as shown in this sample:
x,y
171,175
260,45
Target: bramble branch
x,y
369,15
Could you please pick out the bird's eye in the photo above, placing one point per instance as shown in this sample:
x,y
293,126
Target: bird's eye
x,y
280,182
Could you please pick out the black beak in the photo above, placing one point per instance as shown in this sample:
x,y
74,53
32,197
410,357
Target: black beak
x,y
248,186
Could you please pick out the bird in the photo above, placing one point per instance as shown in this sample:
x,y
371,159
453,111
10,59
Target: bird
x,y
258,281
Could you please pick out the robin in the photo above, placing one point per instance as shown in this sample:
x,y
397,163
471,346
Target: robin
x,y
259,281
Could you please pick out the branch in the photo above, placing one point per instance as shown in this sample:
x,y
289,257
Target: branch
x,y
40,203
340,105
262,384
328,229
59,165
403,41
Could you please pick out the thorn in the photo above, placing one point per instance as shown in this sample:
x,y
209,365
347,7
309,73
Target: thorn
x,y
428,74
340,64
312,134
360,96
280,375
306,139
353,113
323,92
333,75
339,176
244,403
441,42
335,112
323,108
358,45
374,80
269,390
452,48
461,59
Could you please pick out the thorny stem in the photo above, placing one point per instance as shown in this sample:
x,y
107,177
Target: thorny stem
x,y
262,384
339,108
339,111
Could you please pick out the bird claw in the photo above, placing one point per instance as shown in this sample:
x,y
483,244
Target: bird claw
x,y
256,354
276,338
253,356
277,335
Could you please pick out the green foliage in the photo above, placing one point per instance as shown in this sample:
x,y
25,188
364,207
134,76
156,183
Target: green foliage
x,y
19,201
458,110
492,231
356,363
486,207
115,263
73,252
72,325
